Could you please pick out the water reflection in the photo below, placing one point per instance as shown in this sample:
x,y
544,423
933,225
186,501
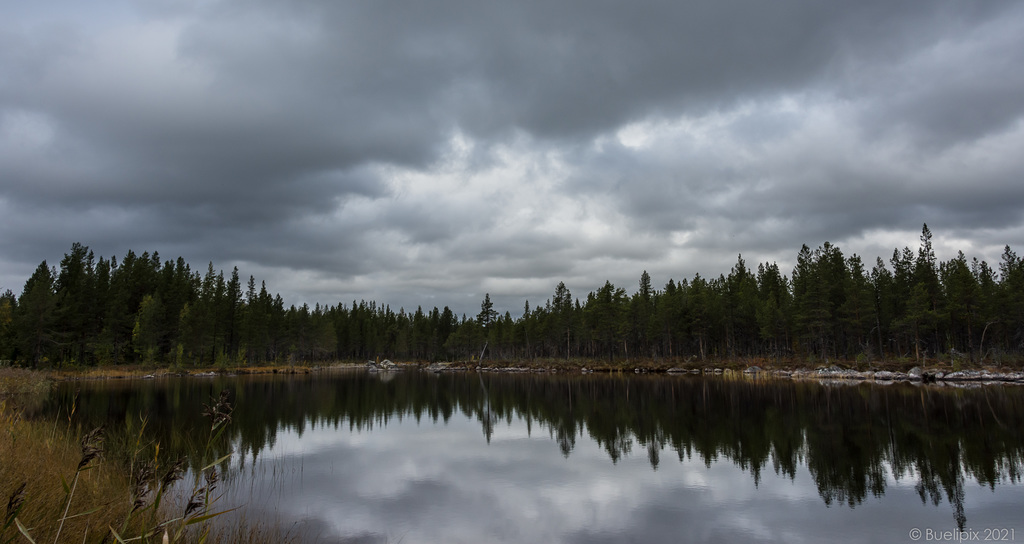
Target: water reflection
x,y
436,444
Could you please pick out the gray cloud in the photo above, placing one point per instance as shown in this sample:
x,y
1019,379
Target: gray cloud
x,y
432,152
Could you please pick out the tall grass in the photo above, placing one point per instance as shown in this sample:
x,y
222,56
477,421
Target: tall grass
x,y
23,387
53,483
62,483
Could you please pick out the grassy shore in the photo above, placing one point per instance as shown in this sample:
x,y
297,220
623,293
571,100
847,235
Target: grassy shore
x,y
63,483
56,484
151,371
19,382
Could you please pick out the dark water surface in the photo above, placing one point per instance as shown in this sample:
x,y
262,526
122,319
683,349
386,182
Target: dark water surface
x,y
414,457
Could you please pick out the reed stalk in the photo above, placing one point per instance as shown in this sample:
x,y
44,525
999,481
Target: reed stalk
x,y
101,501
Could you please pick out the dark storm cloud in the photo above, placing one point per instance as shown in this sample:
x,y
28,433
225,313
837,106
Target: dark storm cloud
x,y
957,87
452,147
555,69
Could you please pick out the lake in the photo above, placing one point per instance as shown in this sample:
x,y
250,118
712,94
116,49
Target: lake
x,y
417,457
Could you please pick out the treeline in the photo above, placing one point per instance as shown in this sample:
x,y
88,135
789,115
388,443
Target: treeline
x,y
92,311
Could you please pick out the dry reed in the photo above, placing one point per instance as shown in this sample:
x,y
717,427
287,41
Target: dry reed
x,y
61,486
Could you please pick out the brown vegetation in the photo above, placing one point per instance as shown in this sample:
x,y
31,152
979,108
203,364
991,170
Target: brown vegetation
x,y
55,482
61,483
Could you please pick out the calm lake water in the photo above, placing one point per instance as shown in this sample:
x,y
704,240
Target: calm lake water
x,y
415,457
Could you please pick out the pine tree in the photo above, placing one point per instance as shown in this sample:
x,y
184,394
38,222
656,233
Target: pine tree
x,y
231,311
8,310
1011,298
148,330
857,312
77,311
774,302
487,313
562,318
607,313
35,316
885,304
741,309
961,295
642,314
813,308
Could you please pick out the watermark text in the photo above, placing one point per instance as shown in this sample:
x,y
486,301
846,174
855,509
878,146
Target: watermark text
x,y
989,534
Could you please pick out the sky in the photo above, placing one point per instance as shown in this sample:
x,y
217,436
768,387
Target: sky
x,y
426,153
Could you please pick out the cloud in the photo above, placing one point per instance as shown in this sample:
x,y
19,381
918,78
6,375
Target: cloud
x,y
429,153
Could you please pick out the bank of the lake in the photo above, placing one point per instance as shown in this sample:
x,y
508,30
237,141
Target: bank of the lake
x,y
933,372
926,370
65,480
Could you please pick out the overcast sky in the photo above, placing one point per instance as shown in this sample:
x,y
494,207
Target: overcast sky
x,y
424,153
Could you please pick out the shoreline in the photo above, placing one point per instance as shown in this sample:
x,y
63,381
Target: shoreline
x,y
938,374
831,373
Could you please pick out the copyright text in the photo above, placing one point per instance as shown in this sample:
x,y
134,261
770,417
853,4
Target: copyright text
x,y
992,534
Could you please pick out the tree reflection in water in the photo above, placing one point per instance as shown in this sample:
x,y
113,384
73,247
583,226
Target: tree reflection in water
x,y
850,436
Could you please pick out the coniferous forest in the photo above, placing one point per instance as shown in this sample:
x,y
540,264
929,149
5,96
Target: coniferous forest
x,y
95,311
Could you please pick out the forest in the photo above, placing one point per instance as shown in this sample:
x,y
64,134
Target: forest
x,y
92,311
